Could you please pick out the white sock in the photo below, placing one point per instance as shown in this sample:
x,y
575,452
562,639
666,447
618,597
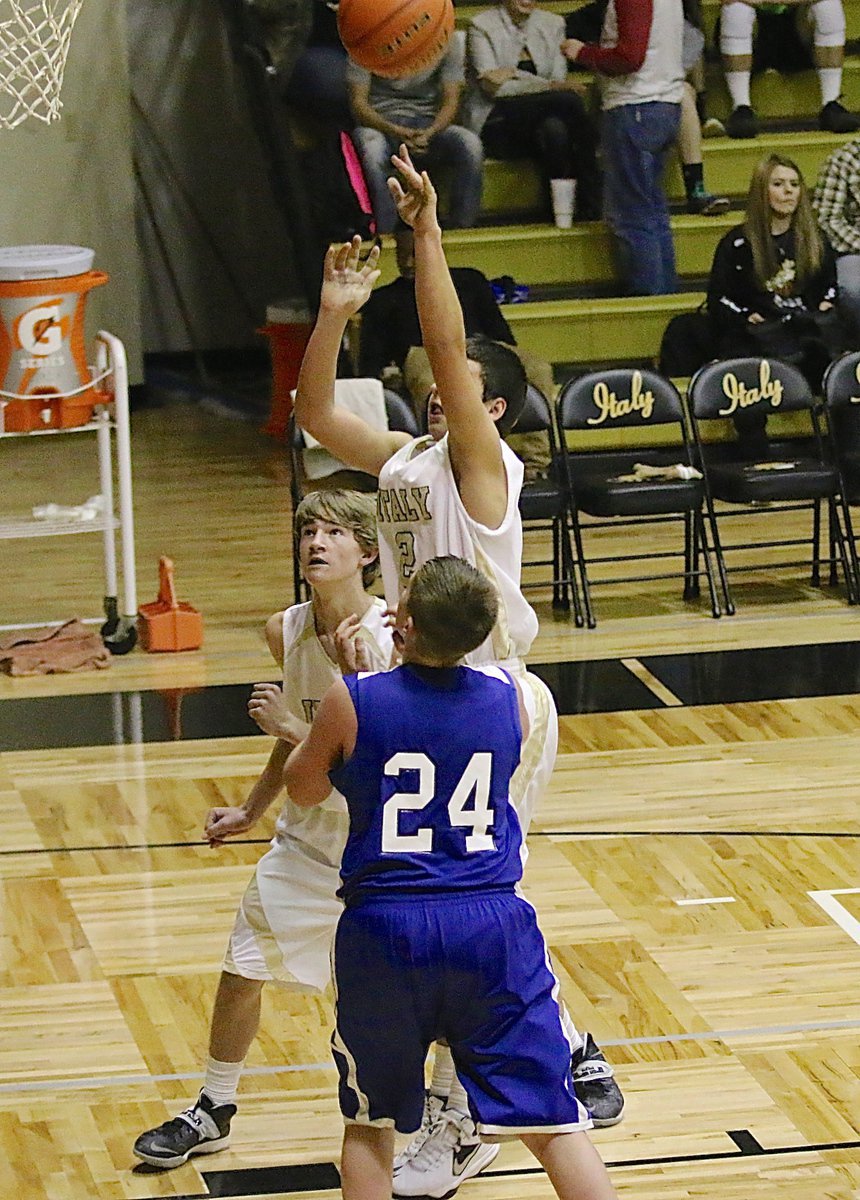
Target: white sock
x,y
736,31
577,1041
738,83
457,1098
830,82
828,23
563,194
443,1072
221,1082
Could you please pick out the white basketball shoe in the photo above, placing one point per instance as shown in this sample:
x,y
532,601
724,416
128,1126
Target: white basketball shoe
x,y
447,1155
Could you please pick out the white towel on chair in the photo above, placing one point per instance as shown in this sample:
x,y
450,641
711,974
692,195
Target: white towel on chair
x,y
365,398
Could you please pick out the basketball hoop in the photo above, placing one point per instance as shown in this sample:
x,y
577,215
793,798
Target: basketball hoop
x,y
34,43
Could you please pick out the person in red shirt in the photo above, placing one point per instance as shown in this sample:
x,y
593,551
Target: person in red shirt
x,y
639,56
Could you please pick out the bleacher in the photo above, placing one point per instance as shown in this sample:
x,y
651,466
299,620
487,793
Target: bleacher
x,y
572,317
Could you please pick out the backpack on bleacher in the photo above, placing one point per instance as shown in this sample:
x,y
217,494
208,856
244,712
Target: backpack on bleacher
x,y
337,189
688,342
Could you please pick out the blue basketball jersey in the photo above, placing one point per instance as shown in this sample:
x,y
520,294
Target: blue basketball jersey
x,y
427,785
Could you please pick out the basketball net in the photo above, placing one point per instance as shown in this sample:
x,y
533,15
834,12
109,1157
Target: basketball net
x,y
34,43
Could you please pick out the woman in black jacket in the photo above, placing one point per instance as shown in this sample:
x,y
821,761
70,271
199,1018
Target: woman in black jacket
x,y
771,279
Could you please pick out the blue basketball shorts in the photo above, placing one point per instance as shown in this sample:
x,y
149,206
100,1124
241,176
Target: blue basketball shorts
x,y
471,969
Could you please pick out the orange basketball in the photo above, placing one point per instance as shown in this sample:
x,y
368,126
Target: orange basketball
x,y
395,37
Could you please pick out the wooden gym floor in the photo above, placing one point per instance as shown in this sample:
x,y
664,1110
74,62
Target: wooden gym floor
x,y
695,862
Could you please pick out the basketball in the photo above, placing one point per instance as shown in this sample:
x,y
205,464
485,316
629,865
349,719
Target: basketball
x,y
395,37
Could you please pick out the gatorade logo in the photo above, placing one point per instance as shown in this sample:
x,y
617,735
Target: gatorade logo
x,y
41,330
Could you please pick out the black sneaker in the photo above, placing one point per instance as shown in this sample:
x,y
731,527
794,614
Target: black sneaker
x,y
743,123
705,204
201,1129
594,1084
835,118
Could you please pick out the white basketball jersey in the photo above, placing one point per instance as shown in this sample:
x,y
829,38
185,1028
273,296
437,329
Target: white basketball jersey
x,y
308,674
420,516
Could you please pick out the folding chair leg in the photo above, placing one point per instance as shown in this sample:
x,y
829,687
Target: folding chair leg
x,y
569,573
297,580
701,536
692,589
852,584
560,597
816,544
729,603
583,574
848,536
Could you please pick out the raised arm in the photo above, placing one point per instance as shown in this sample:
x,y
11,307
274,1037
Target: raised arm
x,y
330,741
347,283
473,440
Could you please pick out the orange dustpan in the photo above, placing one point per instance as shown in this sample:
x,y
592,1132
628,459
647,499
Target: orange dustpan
x,y
167,623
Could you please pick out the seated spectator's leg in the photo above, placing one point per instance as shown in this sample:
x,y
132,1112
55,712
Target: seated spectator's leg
x,y
318,84
828,49
568,149
848,278
699,200
751,426
375,151
636,138
511,131
533,448
538,372
737,19
462,151
418,378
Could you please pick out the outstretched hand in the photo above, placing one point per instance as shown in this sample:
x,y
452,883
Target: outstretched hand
x,y
415,197
347,281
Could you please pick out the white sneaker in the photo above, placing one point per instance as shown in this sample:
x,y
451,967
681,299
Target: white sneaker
x,y
450,1154
433,1106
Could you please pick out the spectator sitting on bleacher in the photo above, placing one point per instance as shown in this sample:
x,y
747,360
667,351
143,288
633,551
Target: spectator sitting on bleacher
x,y
419,110
772,287
640,54
737,19
522,102
390,341
837,203
317,83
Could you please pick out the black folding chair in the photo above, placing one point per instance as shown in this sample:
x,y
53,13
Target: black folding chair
x,y
543,506
801,478
400,418
606,485
842,404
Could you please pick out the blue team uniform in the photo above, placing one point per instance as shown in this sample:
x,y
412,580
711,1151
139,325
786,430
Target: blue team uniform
x,y
435,942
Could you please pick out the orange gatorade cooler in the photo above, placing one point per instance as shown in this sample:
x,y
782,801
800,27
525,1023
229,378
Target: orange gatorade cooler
x,y
43,292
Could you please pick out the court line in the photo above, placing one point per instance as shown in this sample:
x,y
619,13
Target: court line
x,y
838,912
708,1035
533,833
654,685
693,900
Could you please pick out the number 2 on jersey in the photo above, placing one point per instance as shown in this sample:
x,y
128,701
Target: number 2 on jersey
x,y
405,542
474,780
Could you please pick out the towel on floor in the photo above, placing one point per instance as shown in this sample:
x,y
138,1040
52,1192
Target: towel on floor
x,y
53,651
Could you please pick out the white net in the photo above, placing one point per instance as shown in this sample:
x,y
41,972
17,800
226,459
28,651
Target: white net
x,y
34,43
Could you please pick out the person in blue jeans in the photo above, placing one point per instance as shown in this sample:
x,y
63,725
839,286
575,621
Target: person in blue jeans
x,y
419,110
640,57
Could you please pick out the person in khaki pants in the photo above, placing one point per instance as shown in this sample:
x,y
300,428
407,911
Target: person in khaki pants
x,y
390,344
